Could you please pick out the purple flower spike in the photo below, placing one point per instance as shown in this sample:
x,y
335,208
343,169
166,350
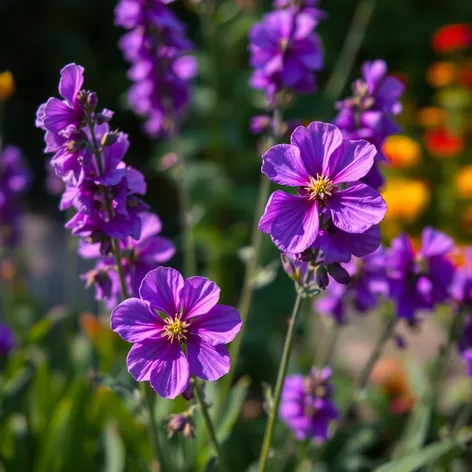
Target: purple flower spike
x,y
318,162
306,405
419,280
7,340
172,314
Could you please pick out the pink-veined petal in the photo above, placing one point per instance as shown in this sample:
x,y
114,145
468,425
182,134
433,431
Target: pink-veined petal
x,y
134,320
161,289
283,165
143,356
357,208
219,326
198,296
351,162
206,361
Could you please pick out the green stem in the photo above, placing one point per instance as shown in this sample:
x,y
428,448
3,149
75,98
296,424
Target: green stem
x,y
157,452
269,432
354,37
208,423
363,378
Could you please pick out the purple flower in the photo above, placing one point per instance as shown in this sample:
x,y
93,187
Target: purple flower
x,y
15,179
157,48
317,163
170,314
368,281
306,6
368,114
306,405
7,340
138,258
461,287
465,344
285,52
417,281
56,115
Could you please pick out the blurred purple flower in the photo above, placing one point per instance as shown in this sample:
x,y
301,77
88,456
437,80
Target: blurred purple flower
x,y
15,179
318,162
156,46
417,281
368,282
306,404
368,114
172,312
285,52
7,340
465,344
461,287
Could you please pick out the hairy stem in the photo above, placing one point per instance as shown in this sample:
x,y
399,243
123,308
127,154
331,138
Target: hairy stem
x,y
354,37
209,423
269,431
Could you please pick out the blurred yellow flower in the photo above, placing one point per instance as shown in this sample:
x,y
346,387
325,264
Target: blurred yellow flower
x,y
402,151
440,74
463,181
406,199
431,116
7,85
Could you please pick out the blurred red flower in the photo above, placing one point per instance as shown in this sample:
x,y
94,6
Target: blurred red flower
x,y
441,143
451,37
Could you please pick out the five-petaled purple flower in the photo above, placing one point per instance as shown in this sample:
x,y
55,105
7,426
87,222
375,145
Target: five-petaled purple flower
x,y
318,162
368,114
368,281
285,52
178,330
419,280
306,404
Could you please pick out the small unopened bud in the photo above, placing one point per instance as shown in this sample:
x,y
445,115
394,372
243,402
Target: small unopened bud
x,y
322,279
188,392
92,101
104,116
181,423
339,273
88,100
168,161
109,138
305,256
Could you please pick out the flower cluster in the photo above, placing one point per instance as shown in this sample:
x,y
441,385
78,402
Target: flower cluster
x,y
306,405
284,51
368,114
178,330
156,46
103,190
14,181
332,210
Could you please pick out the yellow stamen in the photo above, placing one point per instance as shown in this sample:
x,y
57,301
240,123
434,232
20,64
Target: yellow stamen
x,y
175,328
320,188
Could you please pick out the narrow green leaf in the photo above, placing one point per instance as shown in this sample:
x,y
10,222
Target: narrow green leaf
x,y
115,460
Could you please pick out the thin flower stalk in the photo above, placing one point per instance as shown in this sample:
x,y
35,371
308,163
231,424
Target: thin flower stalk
x,y
269,432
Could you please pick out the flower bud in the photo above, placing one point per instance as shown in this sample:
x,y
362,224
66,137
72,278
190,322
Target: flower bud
x,y
110,138
322,279
188,392
339,273
181,423
88,100
104,116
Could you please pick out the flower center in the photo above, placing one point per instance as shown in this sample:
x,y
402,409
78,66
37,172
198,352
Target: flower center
x,y
320,188
175,328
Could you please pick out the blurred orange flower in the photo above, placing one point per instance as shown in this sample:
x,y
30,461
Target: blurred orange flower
x,y
441,143
465,75
390,375
406,199
463,181
451,37
440,74
7,85
91,326
431,116
401,150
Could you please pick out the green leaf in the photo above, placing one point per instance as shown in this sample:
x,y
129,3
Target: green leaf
x,y
235,402
425,456
115,460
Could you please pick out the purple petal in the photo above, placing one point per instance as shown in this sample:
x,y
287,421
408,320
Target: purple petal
x,y
157,249
161,289
357,208
373,72
72,78
58,115
206,361
292,221
170,374
142,357
317,143
351,162
150,226
134,320
219,326
435,243
283,165
198,296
